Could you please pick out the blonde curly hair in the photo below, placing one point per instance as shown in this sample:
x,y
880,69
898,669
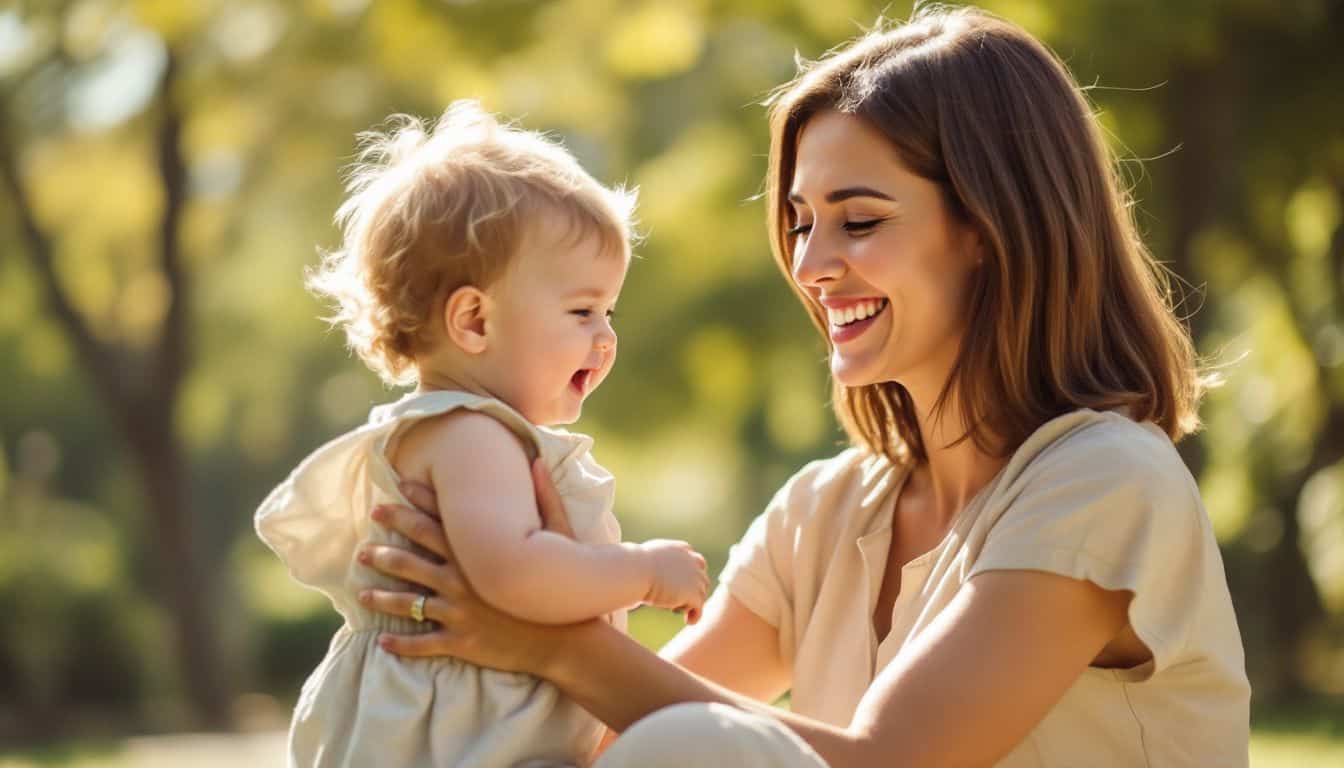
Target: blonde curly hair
x,y
433,209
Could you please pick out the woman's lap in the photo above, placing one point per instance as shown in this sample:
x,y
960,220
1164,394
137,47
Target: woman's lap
x,y
709,735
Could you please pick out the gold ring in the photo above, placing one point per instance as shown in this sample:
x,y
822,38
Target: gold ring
x,y
418,608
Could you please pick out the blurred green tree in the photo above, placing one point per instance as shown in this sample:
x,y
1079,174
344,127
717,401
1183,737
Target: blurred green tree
x,y
170,166
139,372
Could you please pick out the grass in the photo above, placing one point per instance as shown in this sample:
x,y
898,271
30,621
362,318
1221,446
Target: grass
x,y
1308,734
1303,736
1284,744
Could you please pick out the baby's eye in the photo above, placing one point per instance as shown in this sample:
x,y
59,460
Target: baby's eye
x,y
581,312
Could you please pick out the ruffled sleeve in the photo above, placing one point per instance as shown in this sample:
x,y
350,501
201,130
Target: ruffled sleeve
x,y
309,519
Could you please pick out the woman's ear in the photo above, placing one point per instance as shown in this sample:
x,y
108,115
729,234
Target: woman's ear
x,y
464,315
975,246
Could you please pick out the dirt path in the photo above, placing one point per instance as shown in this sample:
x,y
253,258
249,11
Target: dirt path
x,y
197,750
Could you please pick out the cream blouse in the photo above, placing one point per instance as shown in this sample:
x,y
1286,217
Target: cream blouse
x,y
1089,495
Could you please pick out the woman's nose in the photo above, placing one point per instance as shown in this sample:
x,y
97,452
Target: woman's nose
x,y
815,262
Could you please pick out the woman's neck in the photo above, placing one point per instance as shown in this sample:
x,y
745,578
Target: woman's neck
x,y
952,474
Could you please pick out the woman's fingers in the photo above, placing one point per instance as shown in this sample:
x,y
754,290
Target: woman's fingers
x,y
420,495
401,603
440,578
419,528
427,645
552,508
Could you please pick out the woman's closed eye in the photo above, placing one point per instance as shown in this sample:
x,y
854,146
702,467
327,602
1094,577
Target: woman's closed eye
x,y
853,227
862,225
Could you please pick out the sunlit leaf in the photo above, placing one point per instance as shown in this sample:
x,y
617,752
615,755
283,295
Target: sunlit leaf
x,y
1322,517
655,39
173,20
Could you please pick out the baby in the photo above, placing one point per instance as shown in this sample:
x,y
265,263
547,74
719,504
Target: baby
x,y
482,263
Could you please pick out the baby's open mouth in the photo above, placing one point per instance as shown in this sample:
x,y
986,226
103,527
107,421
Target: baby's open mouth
x,y
581,380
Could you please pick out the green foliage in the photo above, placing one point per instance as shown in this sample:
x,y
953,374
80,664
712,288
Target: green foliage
x,y
720,391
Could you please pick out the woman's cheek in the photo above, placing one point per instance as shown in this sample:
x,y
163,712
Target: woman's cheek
x,y
876,258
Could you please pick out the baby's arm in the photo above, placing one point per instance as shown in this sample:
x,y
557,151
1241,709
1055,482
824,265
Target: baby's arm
x,y
481,476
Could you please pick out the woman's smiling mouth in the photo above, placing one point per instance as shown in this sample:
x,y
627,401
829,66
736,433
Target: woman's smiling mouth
x,y
849,322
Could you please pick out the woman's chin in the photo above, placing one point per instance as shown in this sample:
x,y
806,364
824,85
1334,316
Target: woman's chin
x,y
851,373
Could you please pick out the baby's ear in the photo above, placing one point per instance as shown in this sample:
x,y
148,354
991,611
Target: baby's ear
x,y
464,315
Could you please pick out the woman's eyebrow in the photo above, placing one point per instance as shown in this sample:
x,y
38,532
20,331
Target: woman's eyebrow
x,y
837,195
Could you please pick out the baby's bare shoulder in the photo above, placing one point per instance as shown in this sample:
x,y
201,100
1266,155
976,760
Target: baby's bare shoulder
x,y
459,437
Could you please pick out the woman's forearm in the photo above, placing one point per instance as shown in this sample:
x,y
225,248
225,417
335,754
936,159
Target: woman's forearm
x,y
595,665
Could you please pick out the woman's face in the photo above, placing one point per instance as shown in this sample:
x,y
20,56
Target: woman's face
x,y
876,246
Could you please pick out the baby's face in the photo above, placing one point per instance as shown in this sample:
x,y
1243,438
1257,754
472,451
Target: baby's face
x,y
552,342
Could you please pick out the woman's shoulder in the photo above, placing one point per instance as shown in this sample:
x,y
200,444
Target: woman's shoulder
x,y
1090,476
1102,445
841,491
851,469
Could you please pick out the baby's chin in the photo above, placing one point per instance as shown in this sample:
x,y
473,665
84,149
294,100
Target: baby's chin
x,y
556,418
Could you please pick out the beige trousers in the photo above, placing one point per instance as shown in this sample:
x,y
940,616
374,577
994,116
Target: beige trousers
x,y
709,735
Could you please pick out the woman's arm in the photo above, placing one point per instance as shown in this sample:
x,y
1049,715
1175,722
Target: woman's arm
x,y
734,648
999,657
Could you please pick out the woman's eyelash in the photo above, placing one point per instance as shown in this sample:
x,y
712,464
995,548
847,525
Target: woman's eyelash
x,y
861,226
849,226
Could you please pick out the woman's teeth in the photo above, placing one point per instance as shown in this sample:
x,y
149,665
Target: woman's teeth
x,y
860,311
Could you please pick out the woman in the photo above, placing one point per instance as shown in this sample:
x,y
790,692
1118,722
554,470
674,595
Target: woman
x,y
1011,566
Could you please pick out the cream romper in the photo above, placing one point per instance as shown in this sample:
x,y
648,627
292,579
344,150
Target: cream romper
x,y
363,706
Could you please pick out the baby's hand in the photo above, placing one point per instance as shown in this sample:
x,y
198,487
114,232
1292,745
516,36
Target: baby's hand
x,y
677,578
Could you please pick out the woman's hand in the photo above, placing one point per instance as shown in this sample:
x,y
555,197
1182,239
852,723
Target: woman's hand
x,y
465,621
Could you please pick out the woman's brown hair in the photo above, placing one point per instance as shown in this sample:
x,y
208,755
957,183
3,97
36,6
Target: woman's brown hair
x,y
1070,309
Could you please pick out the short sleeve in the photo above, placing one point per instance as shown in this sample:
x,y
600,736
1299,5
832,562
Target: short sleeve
x,y
1113,504
759,572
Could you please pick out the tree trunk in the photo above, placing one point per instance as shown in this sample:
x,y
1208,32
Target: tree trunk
x,y
142,391
1201,100
1296,607
185,585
